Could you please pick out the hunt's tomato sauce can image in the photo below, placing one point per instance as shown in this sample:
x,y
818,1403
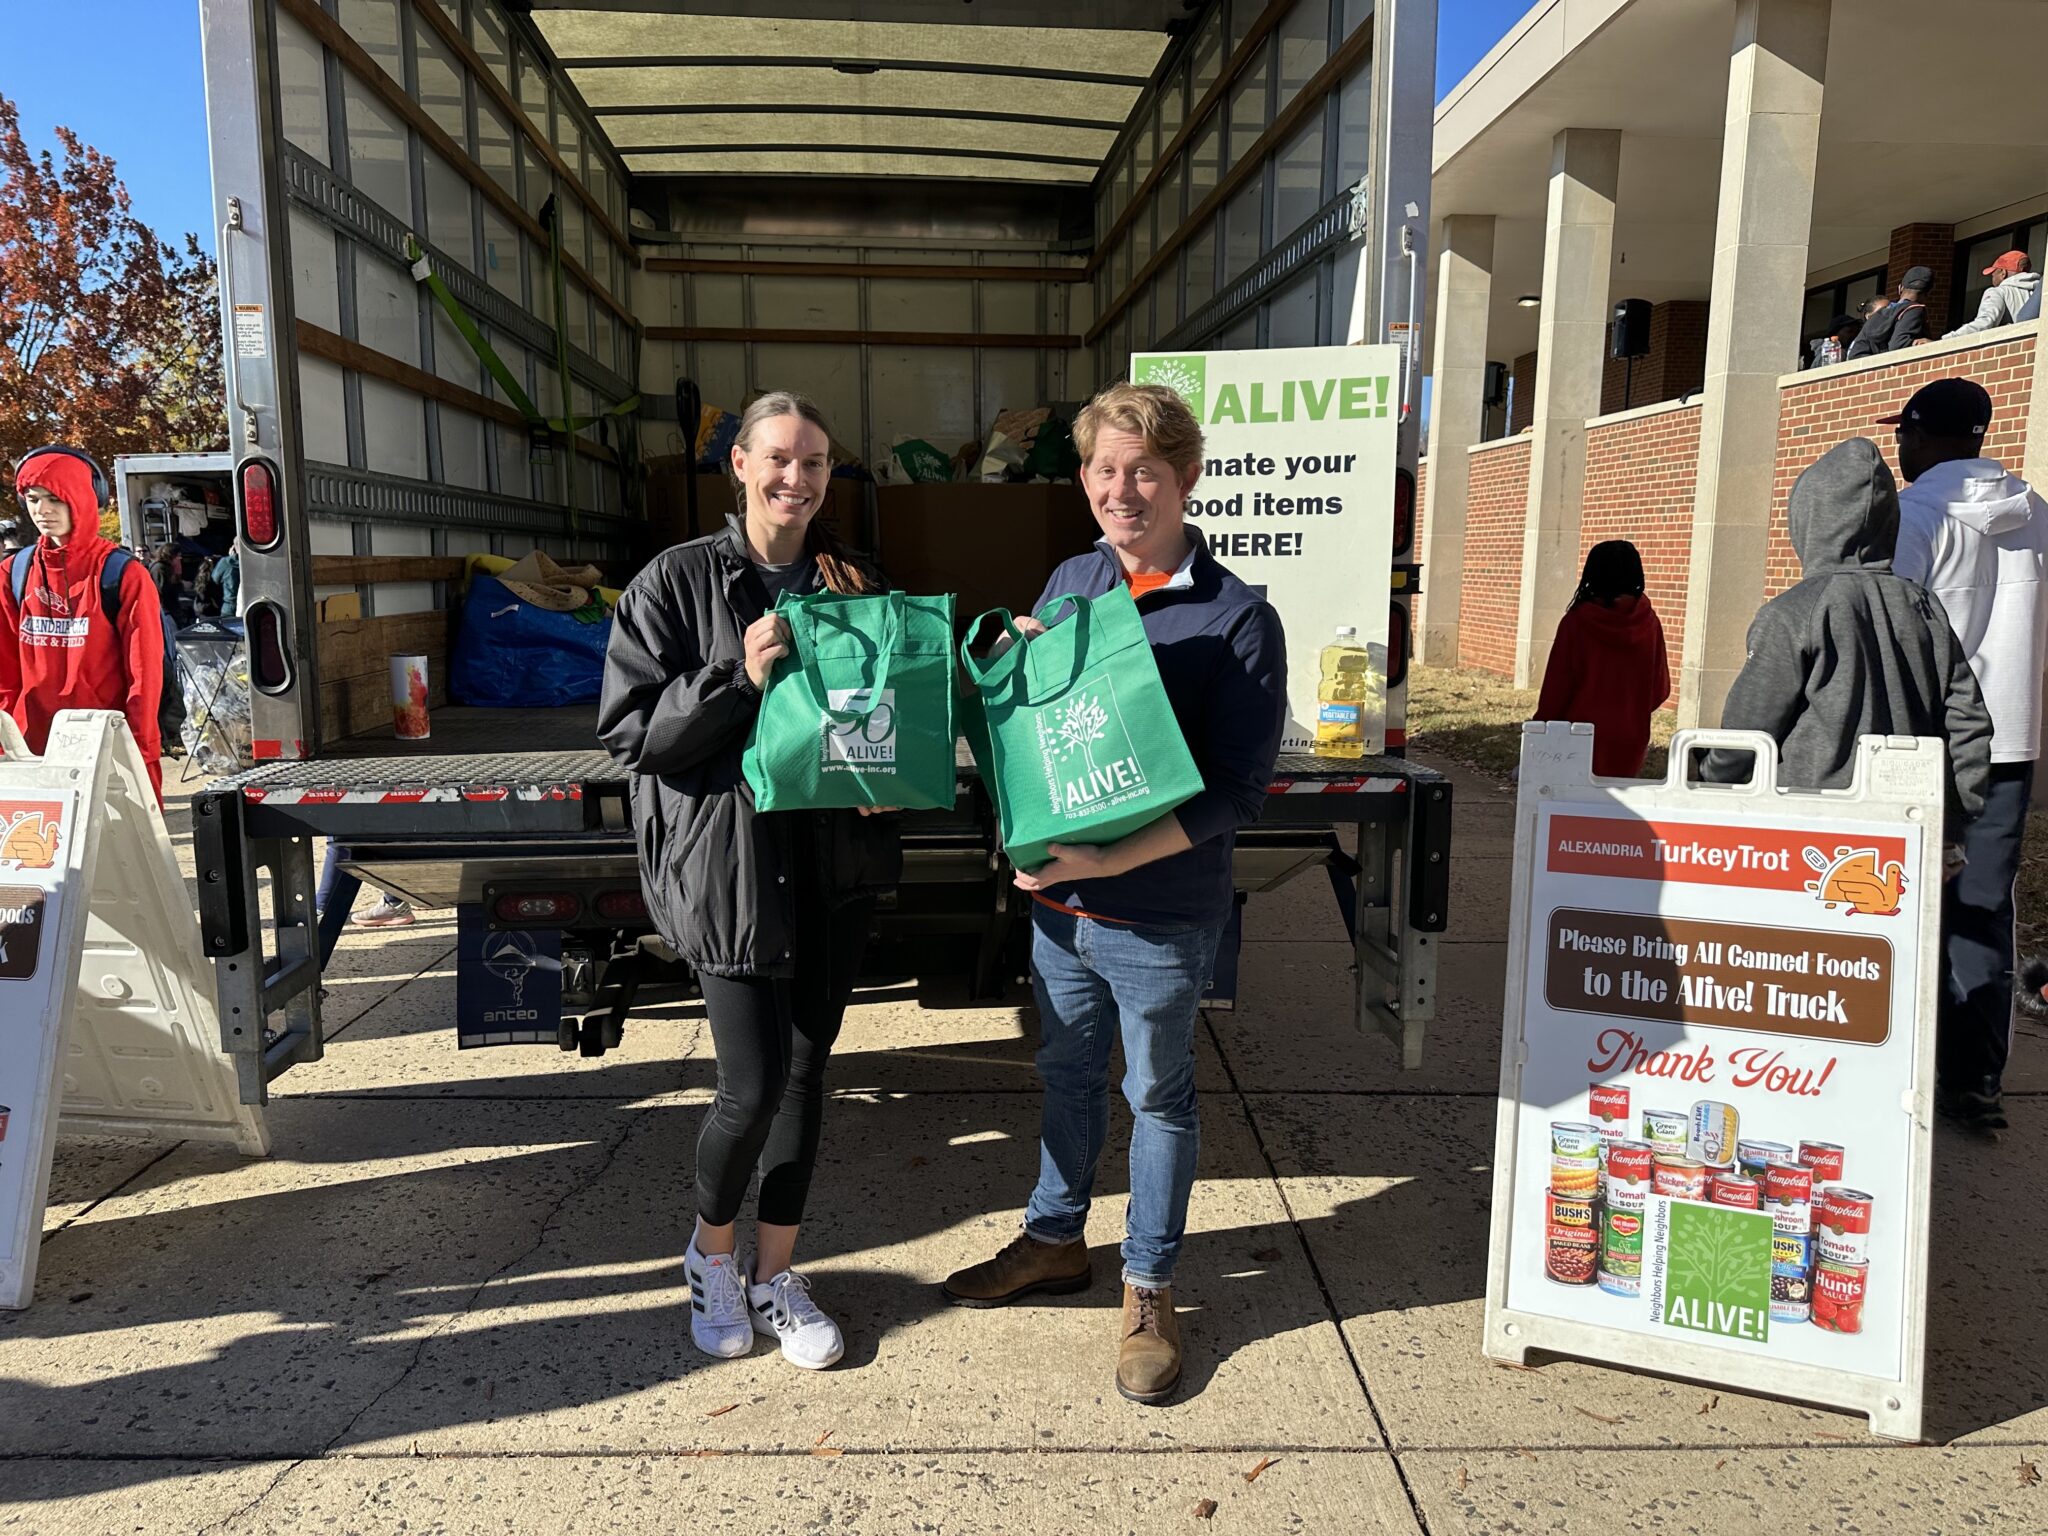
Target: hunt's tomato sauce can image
x,y
1838,1295
1844,1221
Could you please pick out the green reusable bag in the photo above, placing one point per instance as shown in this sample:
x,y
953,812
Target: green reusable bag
x,y
860,712
1075,736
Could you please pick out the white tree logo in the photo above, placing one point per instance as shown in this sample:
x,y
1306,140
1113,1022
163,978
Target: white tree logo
x,y
1081,724
1184,380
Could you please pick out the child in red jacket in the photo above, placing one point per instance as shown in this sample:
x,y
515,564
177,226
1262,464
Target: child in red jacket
x,y
1607,665
58,649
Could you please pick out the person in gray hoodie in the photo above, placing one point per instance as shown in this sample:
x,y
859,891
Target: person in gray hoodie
x,y
1977,538
2015,284
1854,650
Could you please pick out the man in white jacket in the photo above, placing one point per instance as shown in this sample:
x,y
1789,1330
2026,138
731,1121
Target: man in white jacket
x,y
1977,538
2014,282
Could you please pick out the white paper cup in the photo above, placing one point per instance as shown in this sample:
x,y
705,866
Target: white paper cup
x,y
409,720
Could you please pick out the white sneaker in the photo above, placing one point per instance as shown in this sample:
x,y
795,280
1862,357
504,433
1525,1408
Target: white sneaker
x,y
783,1309
718,1303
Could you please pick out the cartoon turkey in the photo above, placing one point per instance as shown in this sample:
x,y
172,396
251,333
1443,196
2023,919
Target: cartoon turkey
x,y
1853,879
29,842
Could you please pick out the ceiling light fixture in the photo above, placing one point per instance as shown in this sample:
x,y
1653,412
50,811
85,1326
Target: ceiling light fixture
x,y
1530,300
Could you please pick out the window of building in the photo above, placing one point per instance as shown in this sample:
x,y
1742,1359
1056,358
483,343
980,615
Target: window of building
x,y
1971,260
1829,300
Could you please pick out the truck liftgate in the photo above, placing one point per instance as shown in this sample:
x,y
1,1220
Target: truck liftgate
x,y
475,831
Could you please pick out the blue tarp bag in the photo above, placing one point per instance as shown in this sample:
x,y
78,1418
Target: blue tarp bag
x,y
510,654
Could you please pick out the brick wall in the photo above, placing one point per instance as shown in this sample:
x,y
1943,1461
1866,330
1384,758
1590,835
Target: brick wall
x,y
1819,410
1522,393
1496,509
1932,246
1675,365
1640,477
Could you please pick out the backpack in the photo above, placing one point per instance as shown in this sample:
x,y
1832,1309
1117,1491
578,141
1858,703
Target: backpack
x,y
170,708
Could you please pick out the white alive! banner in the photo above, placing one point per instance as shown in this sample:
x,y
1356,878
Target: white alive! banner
x,y
1297,495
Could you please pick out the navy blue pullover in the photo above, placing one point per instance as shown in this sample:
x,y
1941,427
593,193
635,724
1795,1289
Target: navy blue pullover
x,y
1223,659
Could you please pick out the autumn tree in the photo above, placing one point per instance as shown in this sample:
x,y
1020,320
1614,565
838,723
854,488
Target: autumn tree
x,y
109,337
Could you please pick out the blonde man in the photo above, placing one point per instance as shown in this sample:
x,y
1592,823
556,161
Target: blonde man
x,y
1125,935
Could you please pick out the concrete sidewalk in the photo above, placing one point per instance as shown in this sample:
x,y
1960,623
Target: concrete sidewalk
x,y
452,1300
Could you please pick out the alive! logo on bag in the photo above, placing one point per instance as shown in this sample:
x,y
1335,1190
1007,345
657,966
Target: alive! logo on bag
x,y
859,746
1090,765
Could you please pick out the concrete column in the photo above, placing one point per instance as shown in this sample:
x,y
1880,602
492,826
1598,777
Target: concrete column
x,y
1571,355
1768,155
1457,415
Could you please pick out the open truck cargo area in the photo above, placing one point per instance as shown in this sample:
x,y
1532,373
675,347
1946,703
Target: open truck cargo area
x,y
495,272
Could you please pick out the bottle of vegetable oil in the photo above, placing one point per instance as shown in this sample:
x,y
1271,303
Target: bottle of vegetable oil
x,y
1343,696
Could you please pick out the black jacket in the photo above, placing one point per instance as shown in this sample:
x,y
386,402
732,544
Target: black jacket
x,y
1892,329
676,711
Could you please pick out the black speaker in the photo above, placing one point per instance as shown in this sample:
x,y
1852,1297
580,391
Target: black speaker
x,y
1629,336
1496,386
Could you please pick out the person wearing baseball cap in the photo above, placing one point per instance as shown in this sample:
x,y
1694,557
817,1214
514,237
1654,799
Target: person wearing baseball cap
x,y
1976,536
1898,325
2013,282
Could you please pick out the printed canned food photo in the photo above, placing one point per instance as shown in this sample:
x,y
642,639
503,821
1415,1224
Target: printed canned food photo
x,y
1710,1134
1665,1130
1824,1158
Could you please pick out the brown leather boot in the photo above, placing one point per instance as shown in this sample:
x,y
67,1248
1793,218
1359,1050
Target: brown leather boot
x,y
1025,1265
1148,1362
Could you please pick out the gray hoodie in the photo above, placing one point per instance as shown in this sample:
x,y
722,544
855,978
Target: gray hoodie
x,y
1854,650
2002,303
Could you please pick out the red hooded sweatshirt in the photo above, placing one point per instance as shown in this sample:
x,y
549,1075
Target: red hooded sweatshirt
x,y
1608,670
57,648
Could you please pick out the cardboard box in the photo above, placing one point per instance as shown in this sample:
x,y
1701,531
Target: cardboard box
x,y
991,545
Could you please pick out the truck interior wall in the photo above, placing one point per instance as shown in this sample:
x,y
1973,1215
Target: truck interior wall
x,y
399,116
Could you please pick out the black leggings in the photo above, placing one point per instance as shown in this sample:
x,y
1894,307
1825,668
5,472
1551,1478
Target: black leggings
x,y
773,1035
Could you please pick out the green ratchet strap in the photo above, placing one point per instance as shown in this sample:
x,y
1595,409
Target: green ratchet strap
x,y
566,426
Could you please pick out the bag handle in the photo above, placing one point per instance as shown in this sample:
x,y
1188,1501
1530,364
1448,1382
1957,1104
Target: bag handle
x,y
994,669
802,632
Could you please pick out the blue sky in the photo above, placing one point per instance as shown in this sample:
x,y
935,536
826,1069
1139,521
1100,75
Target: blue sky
x,y
132,88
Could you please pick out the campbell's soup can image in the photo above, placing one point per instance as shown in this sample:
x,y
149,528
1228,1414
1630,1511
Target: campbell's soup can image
x,y
1824,1158
1838,1294
1787,1184
1790,1216
1571,1138
1710,1133
1630,1165
1665,1131
1621,1243
1575,1177
1607,1103
1754,1157
1843,1225
1733,1189
1680,1179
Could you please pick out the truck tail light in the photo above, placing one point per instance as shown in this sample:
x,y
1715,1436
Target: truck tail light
x,y
535,907
270,652
1404,512
621,907
257,486
1397,644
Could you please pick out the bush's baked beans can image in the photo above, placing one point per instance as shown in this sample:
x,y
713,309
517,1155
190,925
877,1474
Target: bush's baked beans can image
x,y
1791,1253
1844,1226
1838,1295
1571,1240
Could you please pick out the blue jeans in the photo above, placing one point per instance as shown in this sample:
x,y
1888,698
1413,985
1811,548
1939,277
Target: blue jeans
x,y
1091,980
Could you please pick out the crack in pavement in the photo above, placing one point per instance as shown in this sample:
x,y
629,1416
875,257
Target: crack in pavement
x,y
469,1305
